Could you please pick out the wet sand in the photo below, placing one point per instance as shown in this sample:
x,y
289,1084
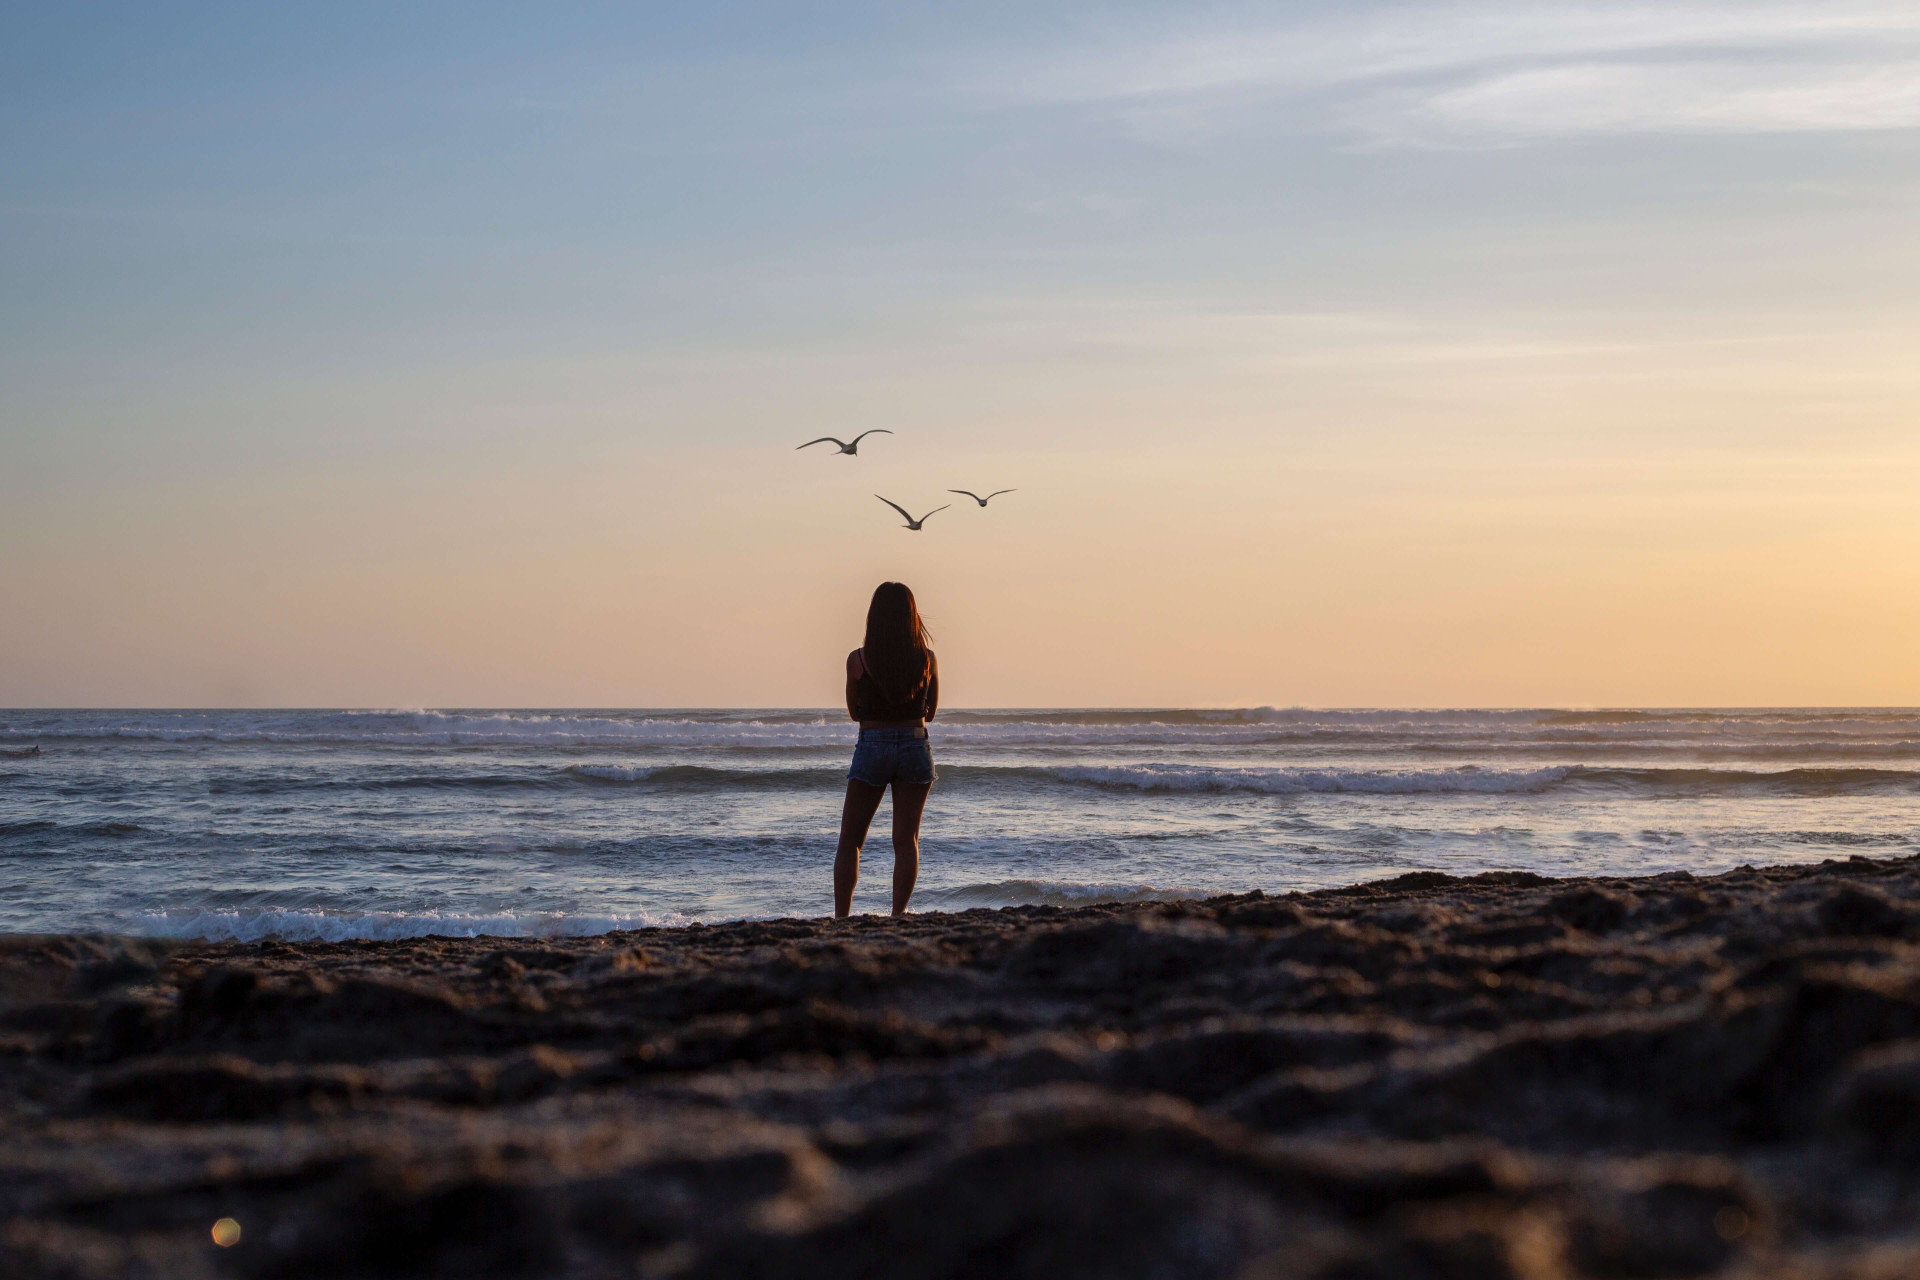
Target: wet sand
x,y
1502,1076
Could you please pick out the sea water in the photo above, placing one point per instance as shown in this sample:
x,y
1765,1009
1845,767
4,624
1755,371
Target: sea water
x,y
375,824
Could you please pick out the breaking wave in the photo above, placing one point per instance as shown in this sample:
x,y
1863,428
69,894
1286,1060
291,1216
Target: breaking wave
x,y
293,925
1288,780
696,775
1284,781
288,925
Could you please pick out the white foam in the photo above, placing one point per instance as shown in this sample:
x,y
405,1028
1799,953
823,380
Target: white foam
x,y
1050,893
291,925
694,774
1289,781
257,925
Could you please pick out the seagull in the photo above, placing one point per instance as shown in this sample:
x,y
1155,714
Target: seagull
x,y
911,522
844,446
977,498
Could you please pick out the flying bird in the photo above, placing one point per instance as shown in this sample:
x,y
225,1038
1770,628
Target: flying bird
x,y
977,498
911,522
845,447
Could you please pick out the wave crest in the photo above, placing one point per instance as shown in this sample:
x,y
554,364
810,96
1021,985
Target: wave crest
x,y
1883,729
1285,781
695,775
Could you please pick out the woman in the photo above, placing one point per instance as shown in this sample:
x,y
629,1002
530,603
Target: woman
x,y
893,689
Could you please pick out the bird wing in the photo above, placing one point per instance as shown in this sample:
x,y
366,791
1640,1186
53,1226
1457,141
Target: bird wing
x,y
923,519
897,507
877,431
997,492
822,440
976,497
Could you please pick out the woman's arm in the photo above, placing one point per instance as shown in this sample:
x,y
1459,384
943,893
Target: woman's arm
x,y
933,686
854,667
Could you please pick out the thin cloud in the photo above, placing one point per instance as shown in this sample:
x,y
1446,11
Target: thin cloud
x,y
1455,72
1692,97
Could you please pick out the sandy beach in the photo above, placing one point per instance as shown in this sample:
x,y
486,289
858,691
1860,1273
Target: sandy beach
x,y
1348,570
1502,1075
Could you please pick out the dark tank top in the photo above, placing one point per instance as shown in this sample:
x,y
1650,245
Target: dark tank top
x,y
869,703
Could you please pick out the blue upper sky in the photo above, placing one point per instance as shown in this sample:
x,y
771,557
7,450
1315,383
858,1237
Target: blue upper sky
x,y
235,238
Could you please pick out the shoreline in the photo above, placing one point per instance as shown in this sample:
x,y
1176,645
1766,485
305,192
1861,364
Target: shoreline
x,y
380,824
1498,1075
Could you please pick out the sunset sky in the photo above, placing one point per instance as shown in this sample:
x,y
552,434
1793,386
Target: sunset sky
x,y
1342,355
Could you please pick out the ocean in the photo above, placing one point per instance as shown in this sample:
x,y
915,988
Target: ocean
x,y
380,824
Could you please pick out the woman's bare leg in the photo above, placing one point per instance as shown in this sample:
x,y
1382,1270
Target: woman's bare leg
x,y
909,802
855,818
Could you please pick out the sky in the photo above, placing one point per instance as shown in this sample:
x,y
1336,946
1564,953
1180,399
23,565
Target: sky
x,y
1475,354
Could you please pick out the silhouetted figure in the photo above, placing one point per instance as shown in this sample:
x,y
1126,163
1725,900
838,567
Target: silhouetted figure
x,y
977,498
893,689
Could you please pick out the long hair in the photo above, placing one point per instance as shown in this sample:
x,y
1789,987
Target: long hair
x,y
896,646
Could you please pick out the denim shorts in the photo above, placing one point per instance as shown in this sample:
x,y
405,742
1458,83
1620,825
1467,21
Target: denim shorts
x,y
892,755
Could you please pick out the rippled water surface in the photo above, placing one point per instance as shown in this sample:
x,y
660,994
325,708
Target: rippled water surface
x,y
384,823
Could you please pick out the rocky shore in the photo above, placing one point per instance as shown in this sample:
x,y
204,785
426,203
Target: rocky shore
x,y
1500,1076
